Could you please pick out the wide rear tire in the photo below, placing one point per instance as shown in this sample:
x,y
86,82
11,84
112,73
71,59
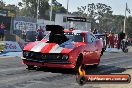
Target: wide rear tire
x,y
79,64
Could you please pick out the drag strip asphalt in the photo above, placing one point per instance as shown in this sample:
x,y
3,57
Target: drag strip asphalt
x,y
13,74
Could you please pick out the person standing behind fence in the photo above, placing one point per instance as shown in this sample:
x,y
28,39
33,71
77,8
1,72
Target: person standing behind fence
x,y
2,28
95,31
111,40
24,34
106,39
40,33
121,36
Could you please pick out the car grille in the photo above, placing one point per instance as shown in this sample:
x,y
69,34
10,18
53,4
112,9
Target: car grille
x,y
44,57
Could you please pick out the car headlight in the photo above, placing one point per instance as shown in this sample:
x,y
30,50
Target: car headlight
x,y
64,57
26,53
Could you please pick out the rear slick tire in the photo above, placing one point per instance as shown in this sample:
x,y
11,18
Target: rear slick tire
x,y
78,64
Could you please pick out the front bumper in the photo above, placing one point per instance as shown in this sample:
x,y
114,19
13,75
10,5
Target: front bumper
x,y
61,64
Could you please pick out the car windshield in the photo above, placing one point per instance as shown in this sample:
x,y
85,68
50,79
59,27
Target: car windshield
x,y
78,37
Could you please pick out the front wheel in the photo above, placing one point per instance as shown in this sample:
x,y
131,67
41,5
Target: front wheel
x,y
30,67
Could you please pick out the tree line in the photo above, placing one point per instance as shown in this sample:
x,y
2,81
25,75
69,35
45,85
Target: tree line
x,y
30,7
101,18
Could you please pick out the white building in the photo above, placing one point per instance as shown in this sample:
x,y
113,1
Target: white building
x,y
43,23
61,19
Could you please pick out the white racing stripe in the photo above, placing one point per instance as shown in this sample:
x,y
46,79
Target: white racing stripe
x,y
56,49
38,47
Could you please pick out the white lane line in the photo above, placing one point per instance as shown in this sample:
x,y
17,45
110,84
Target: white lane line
x,y
118,61
2,57
105,58
30,76
128,67
115,59
107,70
12,69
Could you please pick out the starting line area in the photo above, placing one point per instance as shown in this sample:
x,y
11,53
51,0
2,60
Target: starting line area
x,y
10,46
113,50
19,54
16,54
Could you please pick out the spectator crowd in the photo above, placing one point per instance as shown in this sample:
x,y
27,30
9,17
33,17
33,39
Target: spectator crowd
x,y
113,40
2,30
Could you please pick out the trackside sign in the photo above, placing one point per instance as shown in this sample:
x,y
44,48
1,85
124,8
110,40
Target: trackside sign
x,y
10,46
77,19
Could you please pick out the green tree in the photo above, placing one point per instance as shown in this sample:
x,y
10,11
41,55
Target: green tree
x,y
30,8
81,11
27,14
129,26
94,12
118,22
57,8
2,4
11,7
44,9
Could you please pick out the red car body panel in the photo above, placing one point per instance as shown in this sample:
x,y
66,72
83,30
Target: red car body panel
x,y
30,45
69,65
91,52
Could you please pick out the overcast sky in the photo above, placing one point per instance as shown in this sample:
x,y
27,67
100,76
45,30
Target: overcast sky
x,y
118,6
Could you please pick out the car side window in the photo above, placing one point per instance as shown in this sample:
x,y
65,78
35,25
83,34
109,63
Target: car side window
x,y
90,38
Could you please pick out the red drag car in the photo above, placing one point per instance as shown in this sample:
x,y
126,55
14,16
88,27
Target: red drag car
x,y
63,49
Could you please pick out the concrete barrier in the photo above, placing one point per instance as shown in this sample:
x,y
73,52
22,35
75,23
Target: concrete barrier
x,y
10,46
113,50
